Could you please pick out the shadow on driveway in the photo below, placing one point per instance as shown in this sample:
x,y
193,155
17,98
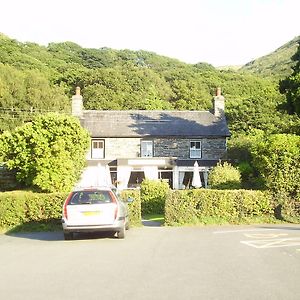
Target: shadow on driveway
x,y
58,236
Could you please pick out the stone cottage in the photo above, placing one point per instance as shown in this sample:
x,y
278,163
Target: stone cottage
x,y
132,145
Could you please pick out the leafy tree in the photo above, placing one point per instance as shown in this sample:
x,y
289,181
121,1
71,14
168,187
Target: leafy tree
x,y
277,158
48,153
224,176
291,86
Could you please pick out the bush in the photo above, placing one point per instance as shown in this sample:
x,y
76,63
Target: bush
x,y
215,206
22,207
48,153
278,160
133,207
153,196
224,176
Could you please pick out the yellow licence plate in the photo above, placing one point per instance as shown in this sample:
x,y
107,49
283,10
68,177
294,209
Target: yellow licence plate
x,y
90,213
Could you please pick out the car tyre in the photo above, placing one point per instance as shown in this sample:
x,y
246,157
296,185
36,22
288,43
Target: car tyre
x,y
68,236
127,225
121,233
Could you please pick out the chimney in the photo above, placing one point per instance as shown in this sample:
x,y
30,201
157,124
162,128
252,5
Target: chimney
x,y
77,106
219,104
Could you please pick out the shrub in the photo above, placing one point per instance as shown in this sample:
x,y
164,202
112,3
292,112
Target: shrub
x,y
224,176
48,153
20,207
278,160
215,206
133,207
153,196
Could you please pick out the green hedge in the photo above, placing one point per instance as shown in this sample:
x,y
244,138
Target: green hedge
x,y
153,196
134,207
20,207
217,206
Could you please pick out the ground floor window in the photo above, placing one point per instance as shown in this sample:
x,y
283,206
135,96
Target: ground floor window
x,y
113,175
186,178
135,179
167,175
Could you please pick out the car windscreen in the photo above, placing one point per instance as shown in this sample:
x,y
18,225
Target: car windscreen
x,y
90,197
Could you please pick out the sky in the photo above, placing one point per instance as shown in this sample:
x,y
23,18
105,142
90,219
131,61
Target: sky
x,y
219,32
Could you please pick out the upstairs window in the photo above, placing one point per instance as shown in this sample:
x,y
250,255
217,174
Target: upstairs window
x,y
146,148
97,149
195,149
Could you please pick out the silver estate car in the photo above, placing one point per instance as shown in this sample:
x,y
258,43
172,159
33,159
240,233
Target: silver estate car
x,y
94,209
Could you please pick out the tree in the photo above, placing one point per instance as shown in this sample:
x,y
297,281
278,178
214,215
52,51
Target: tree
x,y
277,158
291,86
48,153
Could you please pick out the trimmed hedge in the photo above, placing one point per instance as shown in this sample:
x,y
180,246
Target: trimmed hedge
x,y
153,196
23,207
20,207
217,206
134,207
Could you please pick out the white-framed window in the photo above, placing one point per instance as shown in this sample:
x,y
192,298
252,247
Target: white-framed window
x,y
195,149
147,148
97,148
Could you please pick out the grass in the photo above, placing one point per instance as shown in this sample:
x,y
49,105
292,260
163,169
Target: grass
x,y
155,218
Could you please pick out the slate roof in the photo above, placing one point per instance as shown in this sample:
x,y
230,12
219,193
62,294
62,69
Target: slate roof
x,y
143,123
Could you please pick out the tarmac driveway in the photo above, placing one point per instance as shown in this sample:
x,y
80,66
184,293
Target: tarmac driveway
x,y
225,262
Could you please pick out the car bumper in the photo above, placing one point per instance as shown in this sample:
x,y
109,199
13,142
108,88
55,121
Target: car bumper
x,y
117,226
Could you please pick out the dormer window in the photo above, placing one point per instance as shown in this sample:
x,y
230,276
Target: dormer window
x,y
147,148
195,149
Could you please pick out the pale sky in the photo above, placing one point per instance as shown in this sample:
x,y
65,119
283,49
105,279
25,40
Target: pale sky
x,y
219,32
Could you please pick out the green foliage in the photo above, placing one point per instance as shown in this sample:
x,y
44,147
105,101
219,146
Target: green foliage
x,y
134,207
277,64
48,153
277,158
20,207
240,152
153,196
35,78
291,85
224,176
218,207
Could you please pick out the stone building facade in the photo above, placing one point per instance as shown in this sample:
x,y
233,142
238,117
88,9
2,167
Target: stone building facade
x,y
128,146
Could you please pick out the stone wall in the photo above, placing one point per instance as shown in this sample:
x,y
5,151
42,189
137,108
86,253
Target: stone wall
x,y
213,148
7,180
122,148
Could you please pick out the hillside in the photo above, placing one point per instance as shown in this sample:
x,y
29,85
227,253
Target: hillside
x,y
35,79
277,64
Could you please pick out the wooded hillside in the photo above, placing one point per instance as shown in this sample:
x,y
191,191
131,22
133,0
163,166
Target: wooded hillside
x,y
36,79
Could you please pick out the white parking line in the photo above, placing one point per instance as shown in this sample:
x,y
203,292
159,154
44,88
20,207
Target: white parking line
x,y
243,230
264,235
273,243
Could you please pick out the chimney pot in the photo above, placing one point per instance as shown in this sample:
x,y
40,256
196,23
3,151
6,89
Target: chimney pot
x,y
77,103
219,104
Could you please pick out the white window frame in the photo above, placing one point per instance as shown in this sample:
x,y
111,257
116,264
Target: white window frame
x,y
95,153
194,151
147,149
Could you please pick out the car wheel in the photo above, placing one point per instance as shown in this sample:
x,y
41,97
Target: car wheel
x,y
121,233
68,236
127,225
